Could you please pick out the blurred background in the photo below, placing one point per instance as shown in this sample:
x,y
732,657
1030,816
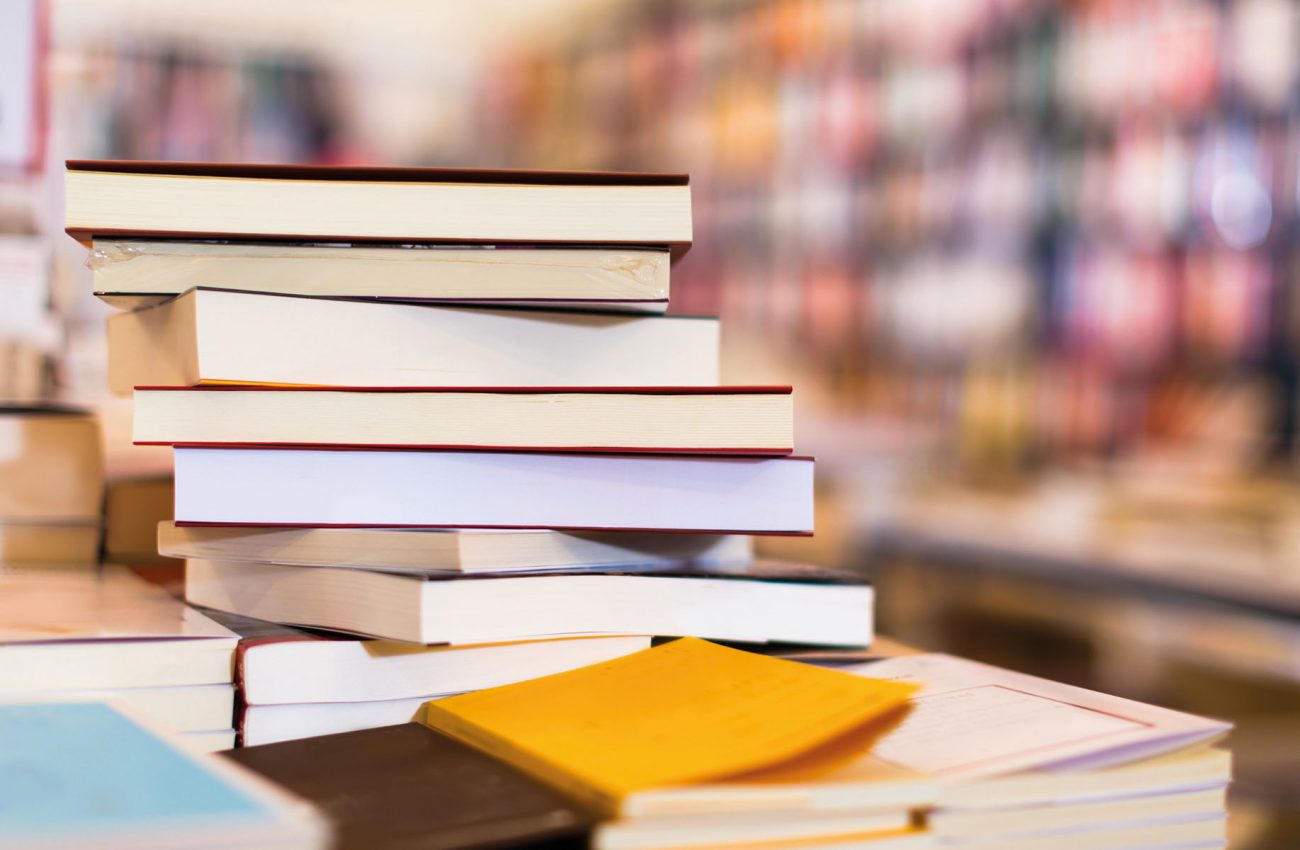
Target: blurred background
x,y
1032,267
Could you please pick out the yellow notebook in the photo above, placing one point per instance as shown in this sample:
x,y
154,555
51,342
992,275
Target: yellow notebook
x,y
681,713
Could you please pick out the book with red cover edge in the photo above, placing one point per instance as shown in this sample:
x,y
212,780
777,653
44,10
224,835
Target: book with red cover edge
x,y
661,450
330,447
368,174
497,526
685,451
763,533
735,389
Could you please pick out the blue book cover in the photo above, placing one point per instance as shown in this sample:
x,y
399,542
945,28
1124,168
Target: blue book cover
x,y
70,770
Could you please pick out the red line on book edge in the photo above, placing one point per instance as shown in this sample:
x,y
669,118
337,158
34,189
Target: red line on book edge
x,y
689,453
738,389
190,523
518,450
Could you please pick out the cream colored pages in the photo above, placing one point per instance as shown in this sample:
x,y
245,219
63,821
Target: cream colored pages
x,y
373,271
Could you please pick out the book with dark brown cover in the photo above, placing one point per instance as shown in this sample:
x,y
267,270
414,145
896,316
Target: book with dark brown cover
x,y
408,787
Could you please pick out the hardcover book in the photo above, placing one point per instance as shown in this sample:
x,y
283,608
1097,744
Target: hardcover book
x,y
130,274
211,336
712,420
754,603
347,204
450,489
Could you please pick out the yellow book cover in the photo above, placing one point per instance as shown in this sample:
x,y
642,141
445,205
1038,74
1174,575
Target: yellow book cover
x,y
685,712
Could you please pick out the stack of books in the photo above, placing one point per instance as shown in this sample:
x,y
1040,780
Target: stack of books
x,y
82,635
51,486
299,683
415,484
443,408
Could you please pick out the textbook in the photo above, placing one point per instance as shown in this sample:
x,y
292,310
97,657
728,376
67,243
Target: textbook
x,y
680,714
986,737
208,336
452,551
96,778
997,722
271,724
298,203
62,630
282,665
405,786
208,741
712,420
176,708
451,489
294,683
1108,822
130,274
756,603
983,755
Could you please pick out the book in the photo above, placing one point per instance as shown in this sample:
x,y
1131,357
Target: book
x,y
94,777
130,274
283,665
133,508
1187,834
1150,811
271,724
336,204
756,829
713,420
176,708
450,489
62,630
452,551
982,736
1195,768
50,543
975,720
982,752
210,336
51,466
295,683
978,746
679,714
208,741
405,786
755,603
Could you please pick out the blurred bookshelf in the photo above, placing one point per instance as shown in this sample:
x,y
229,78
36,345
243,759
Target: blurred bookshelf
x,y
1032,266
1054,232
1019,237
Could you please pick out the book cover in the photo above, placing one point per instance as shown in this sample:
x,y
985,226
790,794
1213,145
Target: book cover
x,y
407,787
